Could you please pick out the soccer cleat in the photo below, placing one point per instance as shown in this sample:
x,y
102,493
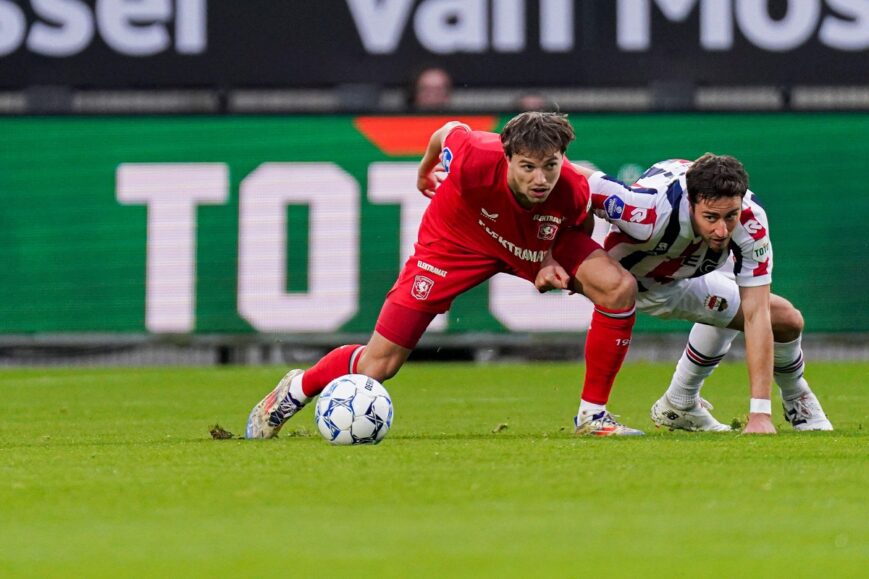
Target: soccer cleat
x,y
267,417
694,419
805,413
602,424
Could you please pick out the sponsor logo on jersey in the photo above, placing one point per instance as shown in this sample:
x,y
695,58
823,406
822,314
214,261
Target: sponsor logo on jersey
x,y
547,231
711,262
715,303
760,249
520,252
638,215
751,224
549,218
487,215
614,207
421,287
446,158
429,267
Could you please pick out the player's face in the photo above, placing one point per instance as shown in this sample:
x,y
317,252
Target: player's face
x,y
715,219
532,178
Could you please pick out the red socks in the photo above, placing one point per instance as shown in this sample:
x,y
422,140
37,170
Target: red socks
x,y
340,361
606,346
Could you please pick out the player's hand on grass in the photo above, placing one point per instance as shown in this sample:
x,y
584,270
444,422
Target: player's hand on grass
x,y
759,423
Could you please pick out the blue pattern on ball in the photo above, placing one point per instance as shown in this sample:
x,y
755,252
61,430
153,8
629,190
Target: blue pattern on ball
x,y
360,400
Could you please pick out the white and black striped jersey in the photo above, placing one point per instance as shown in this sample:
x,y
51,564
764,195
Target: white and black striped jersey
x,y
652,237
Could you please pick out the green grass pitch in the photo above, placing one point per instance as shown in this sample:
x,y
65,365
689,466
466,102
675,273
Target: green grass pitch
x,y
112,473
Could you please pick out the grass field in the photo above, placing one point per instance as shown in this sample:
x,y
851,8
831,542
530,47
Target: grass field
x,y
112,473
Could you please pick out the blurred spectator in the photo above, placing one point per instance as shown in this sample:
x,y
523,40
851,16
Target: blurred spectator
x,y
431,90
533,101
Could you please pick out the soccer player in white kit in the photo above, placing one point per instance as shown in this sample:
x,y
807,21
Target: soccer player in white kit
x,y
697,241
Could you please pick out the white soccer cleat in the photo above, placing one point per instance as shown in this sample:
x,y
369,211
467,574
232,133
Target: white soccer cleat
x,y
805,413
602,424
273,411
694,419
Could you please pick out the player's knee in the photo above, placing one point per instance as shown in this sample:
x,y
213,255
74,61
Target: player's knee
x,y
620,292
788,324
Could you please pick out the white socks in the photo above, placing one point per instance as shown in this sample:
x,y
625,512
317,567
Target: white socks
x,y
788,369
296,389
707,346
589,408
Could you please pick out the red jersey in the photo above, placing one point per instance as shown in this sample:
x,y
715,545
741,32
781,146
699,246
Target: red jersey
x,y
475,210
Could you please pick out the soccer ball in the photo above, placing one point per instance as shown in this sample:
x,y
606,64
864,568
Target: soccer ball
x,y
354,409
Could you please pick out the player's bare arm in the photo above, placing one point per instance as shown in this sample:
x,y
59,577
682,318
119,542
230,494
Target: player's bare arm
x,y
758,355
427,179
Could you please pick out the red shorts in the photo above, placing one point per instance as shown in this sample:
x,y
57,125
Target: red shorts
x,y
437,273
572,247
401,325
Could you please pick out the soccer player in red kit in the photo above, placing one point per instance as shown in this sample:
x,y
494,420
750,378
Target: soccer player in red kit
x,y
502,204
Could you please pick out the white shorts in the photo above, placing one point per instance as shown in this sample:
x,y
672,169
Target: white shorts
x,y
711,299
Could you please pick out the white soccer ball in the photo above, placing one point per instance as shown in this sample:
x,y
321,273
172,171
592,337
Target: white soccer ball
x,y
354,409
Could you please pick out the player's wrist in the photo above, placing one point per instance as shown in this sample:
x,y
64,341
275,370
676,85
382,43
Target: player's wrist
x,y
426,170
760,406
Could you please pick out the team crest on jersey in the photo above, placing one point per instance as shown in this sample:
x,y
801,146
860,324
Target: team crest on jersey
x,y
421,287
614,207
547,231
446,159
716,303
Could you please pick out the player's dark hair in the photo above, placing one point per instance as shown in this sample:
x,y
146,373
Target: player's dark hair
x,y
714,177
537,134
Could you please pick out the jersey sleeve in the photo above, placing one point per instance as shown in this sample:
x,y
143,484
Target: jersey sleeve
x,y
632,209
454,154
752,248
580,190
